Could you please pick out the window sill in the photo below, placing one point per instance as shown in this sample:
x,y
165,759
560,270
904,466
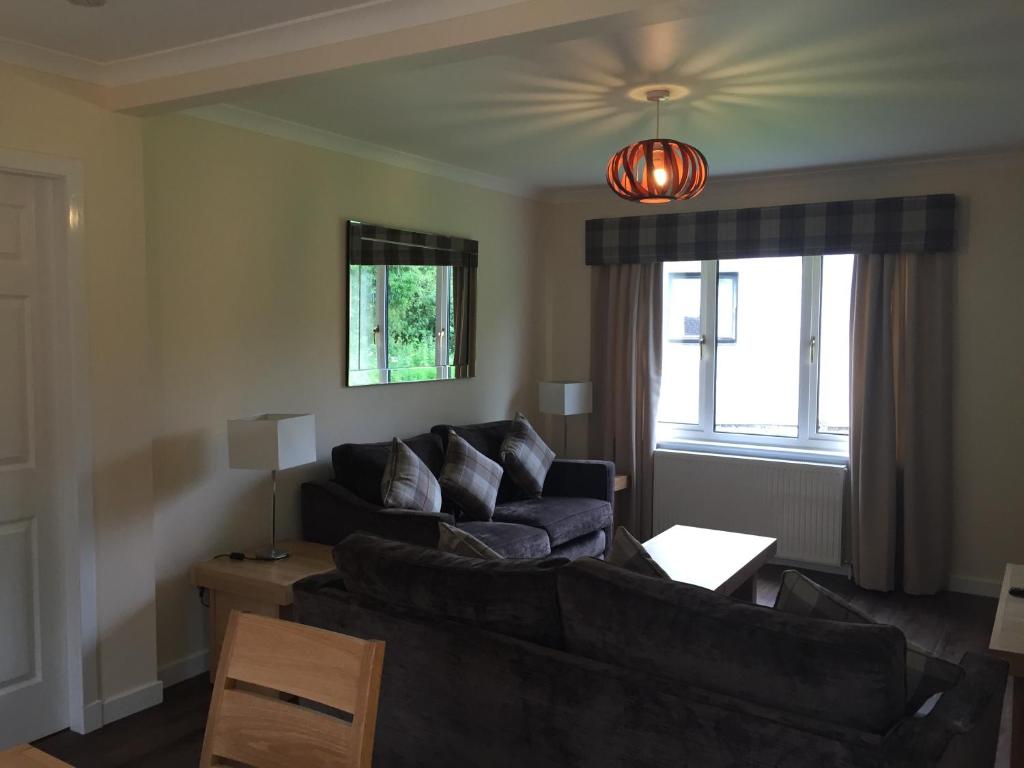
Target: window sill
x,y
772,452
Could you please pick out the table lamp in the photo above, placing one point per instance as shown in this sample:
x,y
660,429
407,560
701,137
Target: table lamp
x,y
565,399
273,441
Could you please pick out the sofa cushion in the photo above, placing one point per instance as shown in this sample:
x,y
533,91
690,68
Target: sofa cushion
x,y
486,438
630,554
526,457
590,545
458,541
359,467
564,518
927,675
509,539
850,674
514,597
408,483
469,479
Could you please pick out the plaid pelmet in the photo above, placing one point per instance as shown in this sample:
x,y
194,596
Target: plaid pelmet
x,y
526,457
370,244
469,479
408,483
927,676
925,224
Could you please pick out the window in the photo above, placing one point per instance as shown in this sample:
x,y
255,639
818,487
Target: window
x,y
776,376
405,335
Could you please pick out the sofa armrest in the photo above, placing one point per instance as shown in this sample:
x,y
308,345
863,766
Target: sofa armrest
x,y
581,478
330,512
963,728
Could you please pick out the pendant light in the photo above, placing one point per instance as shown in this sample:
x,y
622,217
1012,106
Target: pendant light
x,y
657,170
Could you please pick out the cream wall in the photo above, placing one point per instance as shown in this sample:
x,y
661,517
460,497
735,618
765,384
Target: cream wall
x,y
246,287
45,115
989,409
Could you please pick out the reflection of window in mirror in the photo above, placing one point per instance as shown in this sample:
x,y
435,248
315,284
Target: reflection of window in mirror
x,y
408,335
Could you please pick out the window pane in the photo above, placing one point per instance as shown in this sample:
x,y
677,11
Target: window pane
x,y
412,317
757,376
834,343
362,318
680,382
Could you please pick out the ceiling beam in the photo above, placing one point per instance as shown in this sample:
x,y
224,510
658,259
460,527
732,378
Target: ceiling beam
x,y
217,83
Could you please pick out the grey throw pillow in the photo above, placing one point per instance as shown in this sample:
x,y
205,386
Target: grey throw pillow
x,y
408,483
459,542
469,479
927,676
630,554
526,457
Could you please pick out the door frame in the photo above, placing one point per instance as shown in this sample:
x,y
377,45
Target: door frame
x,y
72,409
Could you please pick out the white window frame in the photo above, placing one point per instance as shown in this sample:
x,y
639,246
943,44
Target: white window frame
x,y
809,444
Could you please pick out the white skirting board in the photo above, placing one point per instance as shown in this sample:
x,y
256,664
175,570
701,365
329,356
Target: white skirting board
x,y
184,668
132,701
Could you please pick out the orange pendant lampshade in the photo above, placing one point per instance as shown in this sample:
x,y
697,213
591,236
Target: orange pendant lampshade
x,y
657,170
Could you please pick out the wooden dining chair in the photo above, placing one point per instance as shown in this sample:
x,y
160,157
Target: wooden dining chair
x,y
250,723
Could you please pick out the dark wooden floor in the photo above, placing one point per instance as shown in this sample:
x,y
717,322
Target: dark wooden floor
x,y
172,733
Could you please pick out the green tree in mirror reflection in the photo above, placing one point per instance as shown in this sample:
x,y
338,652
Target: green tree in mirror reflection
x,y
412,315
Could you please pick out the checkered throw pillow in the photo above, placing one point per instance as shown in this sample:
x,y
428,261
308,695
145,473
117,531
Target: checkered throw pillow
x,y
469,479
459,542
526,457
630,554
408,483
927,676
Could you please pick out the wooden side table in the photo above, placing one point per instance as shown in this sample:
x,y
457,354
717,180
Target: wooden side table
x,y
256,586
621,482
1007,642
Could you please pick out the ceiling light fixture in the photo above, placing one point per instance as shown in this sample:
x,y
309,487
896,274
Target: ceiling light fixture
x,y
88,3
657,170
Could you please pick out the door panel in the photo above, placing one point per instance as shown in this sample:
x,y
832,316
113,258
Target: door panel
x,y
33,638
15,382
19,642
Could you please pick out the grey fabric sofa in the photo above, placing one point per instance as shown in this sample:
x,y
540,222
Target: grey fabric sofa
x,y
573,517
550,663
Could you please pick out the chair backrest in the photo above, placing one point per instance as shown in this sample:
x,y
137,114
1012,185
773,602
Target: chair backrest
x,y
250,723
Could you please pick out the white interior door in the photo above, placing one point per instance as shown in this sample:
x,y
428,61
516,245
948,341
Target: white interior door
x,y
33,674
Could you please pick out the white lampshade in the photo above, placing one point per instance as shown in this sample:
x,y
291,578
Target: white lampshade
x,y
566,398
272,441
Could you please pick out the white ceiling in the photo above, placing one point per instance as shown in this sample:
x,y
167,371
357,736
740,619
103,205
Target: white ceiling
x,y
124,29
772,85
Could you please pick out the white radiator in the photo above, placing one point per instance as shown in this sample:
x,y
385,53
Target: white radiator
x,y
800,504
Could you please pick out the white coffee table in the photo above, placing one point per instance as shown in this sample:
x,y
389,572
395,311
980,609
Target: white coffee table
x,y
722,561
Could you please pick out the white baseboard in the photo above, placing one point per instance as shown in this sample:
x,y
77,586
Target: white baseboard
x,y
132,701
184,668
970,585
92,718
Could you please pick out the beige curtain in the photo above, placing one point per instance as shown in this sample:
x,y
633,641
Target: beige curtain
x,y
901,371
625,344
464,310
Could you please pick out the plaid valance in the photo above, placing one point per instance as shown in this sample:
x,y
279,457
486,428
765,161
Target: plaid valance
x,y
925,224
370,244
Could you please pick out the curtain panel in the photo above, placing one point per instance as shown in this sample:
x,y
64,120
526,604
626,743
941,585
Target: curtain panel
x,y
924,224
901,428
625,363
373,245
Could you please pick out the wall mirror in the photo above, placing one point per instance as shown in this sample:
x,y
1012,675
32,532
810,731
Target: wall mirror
x,y
411,306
